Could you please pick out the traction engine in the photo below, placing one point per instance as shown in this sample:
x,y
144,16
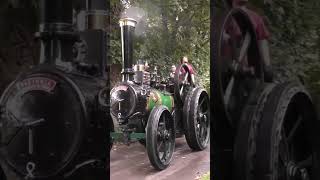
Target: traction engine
x,y
154,111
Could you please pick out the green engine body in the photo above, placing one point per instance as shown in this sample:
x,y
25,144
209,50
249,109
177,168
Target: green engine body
x,y
157,97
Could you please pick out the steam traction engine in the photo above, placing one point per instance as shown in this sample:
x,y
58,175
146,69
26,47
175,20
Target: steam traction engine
x,y
54,120
153,112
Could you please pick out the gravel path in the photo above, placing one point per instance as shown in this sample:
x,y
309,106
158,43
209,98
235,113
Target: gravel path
x,y
132,163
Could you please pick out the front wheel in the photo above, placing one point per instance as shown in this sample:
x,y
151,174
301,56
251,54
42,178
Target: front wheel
x,y
160,137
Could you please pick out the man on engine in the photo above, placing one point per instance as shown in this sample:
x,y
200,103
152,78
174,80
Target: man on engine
x,y
262,36
184,60
173,71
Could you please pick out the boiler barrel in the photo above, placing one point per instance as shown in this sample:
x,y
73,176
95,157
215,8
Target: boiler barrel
x,y
158,98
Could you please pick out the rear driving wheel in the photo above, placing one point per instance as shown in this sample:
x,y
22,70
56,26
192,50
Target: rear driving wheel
x,y
287,145
197,119
246,132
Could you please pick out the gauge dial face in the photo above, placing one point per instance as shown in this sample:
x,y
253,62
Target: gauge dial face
x,y
123,101
42,125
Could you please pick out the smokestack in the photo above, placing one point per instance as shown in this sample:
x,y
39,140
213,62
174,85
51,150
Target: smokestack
x,y
97,32
127,31
56,11
97,15
56,31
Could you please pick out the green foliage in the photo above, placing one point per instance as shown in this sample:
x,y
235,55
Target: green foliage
x,y
295,47
206,176
171,29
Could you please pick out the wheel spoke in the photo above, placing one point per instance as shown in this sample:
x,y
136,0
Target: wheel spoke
x,y
200,128
181,90
294,129
244,47
201,102
164,122
283,154
283,149
167,151
161,155
228,91
200,132
159,147
205,113
185,77
204,130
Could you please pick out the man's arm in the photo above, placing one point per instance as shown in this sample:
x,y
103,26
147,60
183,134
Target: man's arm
x,y
264,51
191,71
192,79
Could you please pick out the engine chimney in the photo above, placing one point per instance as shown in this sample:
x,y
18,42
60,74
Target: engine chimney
x,y
97,15
127,31
56,31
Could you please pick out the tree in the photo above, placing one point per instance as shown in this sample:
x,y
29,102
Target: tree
x,y
171,29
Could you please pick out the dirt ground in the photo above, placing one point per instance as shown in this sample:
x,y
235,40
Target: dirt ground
x,y
132,163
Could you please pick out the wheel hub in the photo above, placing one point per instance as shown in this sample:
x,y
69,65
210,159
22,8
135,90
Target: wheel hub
x,y
294,171
164,134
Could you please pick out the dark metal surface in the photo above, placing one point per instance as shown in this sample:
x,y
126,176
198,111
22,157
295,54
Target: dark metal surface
x,y
245,139
128,102
196,119
97,14
56,31
286,146
231,86
98,4
275,136
237,64
127,35
160,137
58,11
54,124
96,53
23,107
82,127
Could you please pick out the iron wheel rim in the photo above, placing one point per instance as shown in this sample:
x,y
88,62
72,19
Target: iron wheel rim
x,y
289,105
203,120
165,139
293,162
